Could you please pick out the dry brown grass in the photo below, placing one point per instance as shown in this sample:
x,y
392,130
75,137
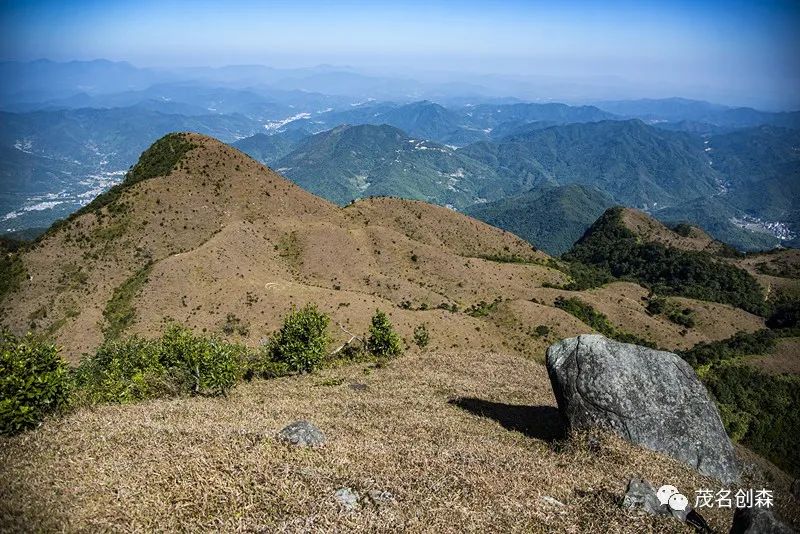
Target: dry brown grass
x,y
464,442
783,358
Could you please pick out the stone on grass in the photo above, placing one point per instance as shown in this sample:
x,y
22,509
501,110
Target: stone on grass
x,y
347,498
649,397
302,434
640,495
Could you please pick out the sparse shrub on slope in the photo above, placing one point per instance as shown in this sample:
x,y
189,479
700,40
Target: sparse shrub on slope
x,y
34,382
421,336
302,341
383,341
12,272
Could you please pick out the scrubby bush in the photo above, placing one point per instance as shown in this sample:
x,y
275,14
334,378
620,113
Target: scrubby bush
x,y
122,371
34,382
383,342
542,330
302,341
179,362
212,365
421,336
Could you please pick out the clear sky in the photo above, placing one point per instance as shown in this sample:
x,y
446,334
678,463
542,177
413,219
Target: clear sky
x,y
721,47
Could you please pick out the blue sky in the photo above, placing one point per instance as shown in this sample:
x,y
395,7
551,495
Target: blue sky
x,y
719,45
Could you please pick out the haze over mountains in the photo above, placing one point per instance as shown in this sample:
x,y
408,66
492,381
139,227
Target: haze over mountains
x,y
70,130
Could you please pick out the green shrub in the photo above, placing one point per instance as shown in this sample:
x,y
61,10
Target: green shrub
x,y
383,342
421,336
34,382
680,316
542,330
302,341
212,365
483,308
179,362
123,371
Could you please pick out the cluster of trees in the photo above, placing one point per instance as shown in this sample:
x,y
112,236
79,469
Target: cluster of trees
x,y
614,249
35,381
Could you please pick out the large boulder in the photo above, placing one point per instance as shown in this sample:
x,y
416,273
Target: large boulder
x,y
651,398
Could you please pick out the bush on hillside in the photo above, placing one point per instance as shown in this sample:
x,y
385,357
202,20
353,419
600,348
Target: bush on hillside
x,y
179,362
212,365
383,341
34,382
421,336
302,342
740,344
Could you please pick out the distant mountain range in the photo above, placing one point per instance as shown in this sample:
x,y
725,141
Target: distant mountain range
x,y
734,171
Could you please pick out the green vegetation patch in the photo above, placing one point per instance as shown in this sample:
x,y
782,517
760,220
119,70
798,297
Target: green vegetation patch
x,y
598,321
613,248
34,382
302,342
383,341
120,313
758,409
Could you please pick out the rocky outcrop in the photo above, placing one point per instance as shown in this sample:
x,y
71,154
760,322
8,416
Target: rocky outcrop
x,y
649,397
758,521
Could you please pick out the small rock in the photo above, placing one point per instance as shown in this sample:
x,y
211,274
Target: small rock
x,y
302,434
757,521
641,495
347,498
358,387
550,500
380,497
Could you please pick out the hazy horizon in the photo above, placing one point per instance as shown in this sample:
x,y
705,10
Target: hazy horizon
x,y
734,53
